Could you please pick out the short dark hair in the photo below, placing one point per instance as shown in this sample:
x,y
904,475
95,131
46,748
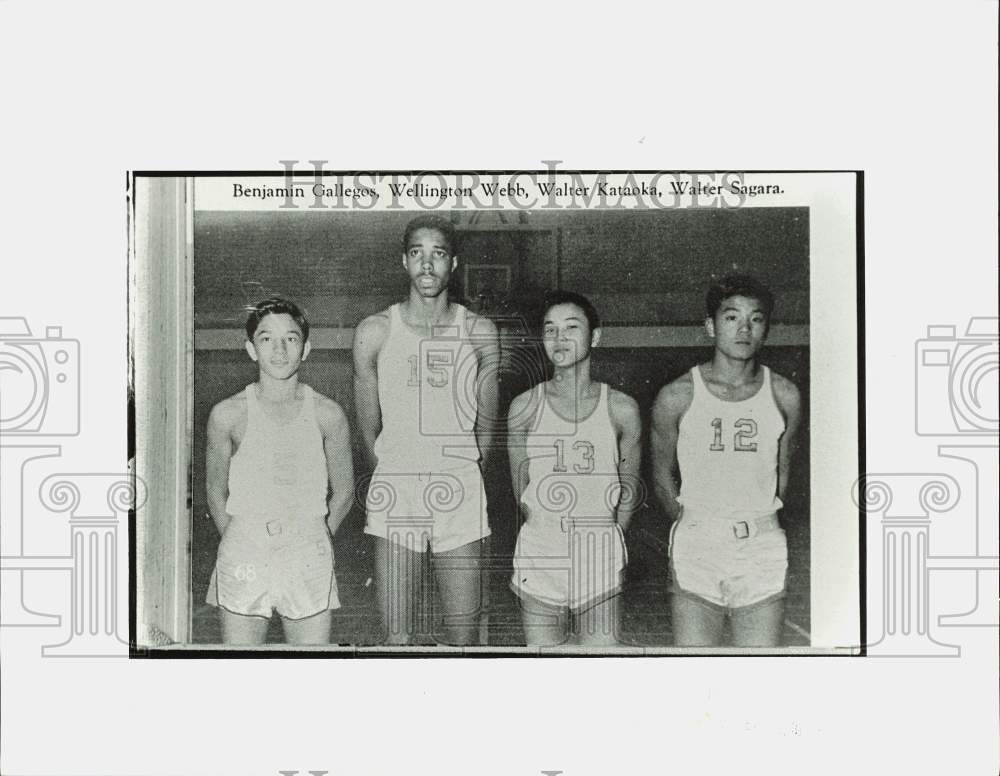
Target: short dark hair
x,y
739,285
275,305
442,225
558,296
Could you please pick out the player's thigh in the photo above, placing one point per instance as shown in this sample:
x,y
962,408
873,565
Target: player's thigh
x,y
758,626
458,574
397,580
598,625
544,625
308,630
695,624
397,569
242,629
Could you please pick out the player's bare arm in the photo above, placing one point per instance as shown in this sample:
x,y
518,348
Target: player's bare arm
x,y
628,427
671,403
789,402
222,422
368,339
519,419
339,464
487,346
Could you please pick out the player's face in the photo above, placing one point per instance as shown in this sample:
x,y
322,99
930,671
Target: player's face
x,y
429,261
567,335
278,346
739,327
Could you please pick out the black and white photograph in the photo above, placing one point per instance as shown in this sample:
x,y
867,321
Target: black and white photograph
x,y
513,413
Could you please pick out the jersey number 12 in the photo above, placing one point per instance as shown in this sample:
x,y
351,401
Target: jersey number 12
x,y
745,429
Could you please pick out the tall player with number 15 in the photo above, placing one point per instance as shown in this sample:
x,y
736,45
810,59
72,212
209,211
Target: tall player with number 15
x,y
425,390
730,425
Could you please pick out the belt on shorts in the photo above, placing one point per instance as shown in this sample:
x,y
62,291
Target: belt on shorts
x,y
747,529
728,525
281,526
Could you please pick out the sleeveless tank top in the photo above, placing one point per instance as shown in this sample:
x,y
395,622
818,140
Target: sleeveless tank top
x,y
279,468
572,465
728,451
427,395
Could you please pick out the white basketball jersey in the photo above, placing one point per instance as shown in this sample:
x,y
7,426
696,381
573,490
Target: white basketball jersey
x,y
427,395
279,468
573,465
728,451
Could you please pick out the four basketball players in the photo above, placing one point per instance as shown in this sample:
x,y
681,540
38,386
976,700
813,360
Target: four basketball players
x,y
426,397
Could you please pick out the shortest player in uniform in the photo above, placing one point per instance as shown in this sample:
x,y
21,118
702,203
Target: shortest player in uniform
x,y
574,449
278,463
730,426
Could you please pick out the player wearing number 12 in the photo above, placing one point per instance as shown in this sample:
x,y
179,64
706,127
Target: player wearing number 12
x,y
730,425
574,449
425,390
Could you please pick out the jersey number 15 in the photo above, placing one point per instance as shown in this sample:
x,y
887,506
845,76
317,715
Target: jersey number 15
x,y
437,363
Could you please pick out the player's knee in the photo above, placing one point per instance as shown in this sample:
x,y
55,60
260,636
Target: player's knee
x,y
461,629
461,635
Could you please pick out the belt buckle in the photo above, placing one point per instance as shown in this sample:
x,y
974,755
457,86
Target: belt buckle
x,y
741,530
273,527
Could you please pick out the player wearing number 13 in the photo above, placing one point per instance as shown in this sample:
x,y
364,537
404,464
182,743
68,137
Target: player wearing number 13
x,y
730,425
574,449
425,391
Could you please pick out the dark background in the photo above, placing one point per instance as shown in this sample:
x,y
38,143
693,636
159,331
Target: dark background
x,y
639,267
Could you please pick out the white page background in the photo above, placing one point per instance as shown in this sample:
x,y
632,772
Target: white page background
x,y
905,91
